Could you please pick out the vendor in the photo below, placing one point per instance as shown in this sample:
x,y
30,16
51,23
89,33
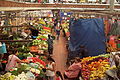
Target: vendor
x,y
34,32
12,60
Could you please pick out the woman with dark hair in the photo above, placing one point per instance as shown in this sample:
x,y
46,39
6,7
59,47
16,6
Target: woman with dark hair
x,y
50,69
12,60
59,75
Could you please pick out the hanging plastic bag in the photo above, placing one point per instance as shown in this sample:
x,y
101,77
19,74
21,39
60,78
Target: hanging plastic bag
x,y
3,49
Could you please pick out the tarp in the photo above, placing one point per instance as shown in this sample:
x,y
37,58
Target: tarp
x,y
90,33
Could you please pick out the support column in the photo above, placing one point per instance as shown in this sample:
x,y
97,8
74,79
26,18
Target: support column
x,y
112,2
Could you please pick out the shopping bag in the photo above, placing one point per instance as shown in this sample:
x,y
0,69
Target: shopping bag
x,y
3,49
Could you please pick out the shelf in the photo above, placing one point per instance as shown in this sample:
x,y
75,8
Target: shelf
x,y
9,6
15,40
9,26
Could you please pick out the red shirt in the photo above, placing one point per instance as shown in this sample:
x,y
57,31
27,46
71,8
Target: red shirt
x,y
58,78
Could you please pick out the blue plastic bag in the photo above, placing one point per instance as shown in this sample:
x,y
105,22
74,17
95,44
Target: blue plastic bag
x,y
3,49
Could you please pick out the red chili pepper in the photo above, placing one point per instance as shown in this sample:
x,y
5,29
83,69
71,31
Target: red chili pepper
x,y
4,61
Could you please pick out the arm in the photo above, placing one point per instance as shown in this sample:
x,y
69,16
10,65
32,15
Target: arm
x,y
75,66
20,61
52,69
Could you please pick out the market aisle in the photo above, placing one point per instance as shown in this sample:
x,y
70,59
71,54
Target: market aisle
x,y
60,53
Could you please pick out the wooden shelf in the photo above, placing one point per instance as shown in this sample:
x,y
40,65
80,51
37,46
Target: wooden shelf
x,y
16,40
9,6
9,26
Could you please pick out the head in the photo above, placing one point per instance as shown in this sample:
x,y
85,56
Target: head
x,y
27,30
38,78
115,20
77,60
49,59
58,73
14,51
49,36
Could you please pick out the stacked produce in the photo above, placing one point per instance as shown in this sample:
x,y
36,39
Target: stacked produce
x,y
65,26
40,43
26,71
94,67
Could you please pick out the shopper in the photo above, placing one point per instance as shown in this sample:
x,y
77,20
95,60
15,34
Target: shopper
x,y
50,69
50,45
58,32
12,60
55,23
74,71
58,75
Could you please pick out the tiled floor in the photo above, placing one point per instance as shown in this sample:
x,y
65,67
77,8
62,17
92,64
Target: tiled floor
x,y
60,53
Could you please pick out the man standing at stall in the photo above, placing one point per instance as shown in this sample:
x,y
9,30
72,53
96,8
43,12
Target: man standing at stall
x,y
50,45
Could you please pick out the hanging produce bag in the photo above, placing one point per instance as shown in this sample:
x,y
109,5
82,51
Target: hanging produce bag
x,y
3,49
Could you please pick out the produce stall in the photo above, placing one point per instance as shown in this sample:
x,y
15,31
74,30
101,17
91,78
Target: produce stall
x,y
27,71
94,68
29,49
40,44
65,27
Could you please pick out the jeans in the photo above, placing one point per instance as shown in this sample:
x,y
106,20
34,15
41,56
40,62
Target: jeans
x,y
57,37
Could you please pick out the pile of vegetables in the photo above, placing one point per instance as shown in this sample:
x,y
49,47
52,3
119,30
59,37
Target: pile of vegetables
x,y
24,71
22,55
41,42
7,76
23,49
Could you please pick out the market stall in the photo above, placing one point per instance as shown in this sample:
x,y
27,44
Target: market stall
x,y
29,38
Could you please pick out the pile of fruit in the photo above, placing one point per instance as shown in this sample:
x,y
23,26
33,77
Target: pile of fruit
x,y
94,67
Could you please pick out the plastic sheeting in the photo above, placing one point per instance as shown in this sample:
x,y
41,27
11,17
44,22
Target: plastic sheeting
x,y
90,33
